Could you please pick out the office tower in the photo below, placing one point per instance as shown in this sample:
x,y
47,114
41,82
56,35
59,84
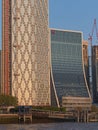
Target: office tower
x,y
95,72
6,47
26,72
85,52
68,77
86,60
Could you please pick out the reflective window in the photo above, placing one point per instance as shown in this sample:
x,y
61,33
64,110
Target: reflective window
x,y
66,56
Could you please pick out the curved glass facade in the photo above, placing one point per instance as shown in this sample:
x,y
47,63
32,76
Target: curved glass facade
x,y
67,66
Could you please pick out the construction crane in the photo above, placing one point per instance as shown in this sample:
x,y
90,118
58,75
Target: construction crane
x,y
90,44
92,32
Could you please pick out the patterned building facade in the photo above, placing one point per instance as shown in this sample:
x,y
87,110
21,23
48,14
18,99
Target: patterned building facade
x,y
67,68
26,42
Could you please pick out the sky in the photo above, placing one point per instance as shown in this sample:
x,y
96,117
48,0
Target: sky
x,y
76,15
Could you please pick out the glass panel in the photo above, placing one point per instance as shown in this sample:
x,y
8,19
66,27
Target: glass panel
x,y
66,54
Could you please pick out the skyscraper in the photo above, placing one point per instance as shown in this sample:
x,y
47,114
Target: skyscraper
x,y
85,52
86,60
95,72
0,70
6,47
67,69
26,72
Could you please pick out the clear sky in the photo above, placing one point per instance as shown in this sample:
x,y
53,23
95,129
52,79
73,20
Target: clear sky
x,y
70,15
73,15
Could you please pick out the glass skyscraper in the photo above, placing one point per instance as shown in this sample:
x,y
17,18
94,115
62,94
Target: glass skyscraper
x,y
67,68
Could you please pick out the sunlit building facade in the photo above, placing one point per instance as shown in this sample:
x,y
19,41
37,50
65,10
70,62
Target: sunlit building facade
x,y
26,72
86,60
0,69
85,52
68,76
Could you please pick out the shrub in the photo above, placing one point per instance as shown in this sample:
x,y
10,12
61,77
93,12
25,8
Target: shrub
x,y
8,100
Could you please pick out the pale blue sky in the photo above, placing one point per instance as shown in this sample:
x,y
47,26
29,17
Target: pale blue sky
x,y
70,15
74,15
